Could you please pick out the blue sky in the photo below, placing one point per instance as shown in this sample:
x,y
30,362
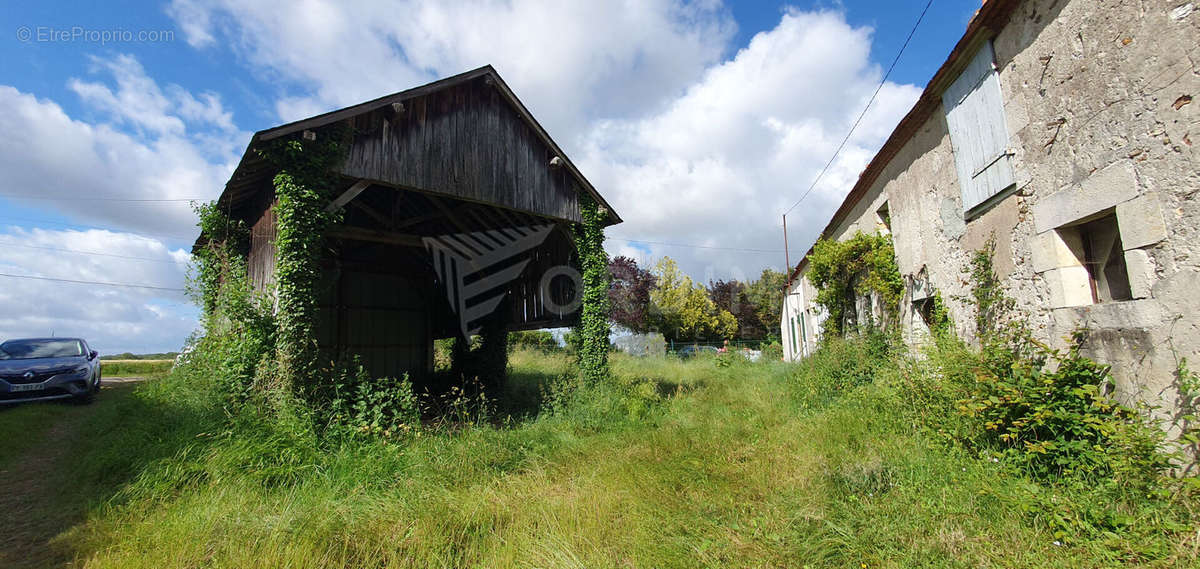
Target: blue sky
x,y
700,122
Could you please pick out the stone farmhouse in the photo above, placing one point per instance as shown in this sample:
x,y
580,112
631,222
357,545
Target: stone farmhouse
x,y
1066,130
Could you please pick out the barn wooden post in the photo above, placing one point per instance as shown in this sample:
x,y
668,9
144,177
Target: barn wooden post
x,y
493,352
593,321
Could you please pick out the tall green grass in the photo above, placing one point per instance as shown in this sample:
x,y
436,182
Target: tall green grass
x,y
706,463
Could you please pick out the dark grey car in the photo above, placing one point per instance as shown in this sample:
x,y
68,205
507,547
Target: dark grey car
x,y
37,369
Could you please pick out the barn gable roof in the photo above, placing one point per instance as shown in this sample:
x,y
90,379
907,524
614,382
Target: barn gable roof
x,y
253,172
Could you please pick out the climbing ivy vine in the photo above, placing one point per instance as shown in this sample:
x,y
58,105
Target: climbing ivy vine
x,y
306,179
221,257
238,322
593,321
844,270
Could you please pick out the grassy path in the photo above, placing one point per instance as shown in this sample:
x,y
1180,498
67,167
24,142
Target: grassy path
x,y
38,501
669,465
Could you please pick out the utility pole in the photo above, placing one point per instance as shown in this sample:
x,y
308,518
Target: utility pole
x,y
787,259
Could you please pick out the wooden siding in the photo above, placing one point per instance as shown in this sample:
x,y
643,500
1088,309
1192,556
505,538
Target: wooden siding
x,y
535,302
260,263
383,319
465,142
978,132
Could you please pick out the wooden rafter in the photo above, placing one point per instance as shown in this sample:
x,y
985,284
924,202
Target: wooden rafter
x,y
375,236
351,193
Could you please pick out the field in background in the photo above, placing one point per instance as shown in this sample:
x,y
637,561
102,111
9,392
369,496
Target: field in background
x,y
712,462
130,356
135,368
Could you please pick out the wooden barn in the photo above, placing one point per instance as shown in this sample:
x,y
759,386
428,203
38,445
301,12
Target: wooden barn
x,y
436,178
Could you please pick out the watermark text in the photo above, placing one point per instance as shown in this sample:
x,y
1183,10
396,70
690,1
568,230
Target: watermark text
x,y
83,34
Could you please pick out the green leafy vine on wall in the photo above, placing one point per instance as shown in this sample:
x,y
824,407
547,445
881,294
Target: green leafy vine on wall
x,y
593,322
221,257
844,270
239,323
304,184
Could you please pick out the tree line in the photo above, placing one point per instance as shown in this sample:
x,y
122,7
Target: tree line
x,y
666,300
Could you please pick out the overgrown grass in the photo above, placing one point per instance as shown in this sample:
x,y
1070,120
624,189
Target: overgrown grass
x,y
706,463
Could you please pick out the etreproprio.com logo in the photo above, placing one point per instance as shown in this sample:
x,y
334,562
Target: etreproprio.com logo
x,y
82,34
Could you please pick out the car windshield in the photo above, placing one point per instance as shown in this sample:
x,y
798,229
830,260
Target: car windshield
x,y
33,349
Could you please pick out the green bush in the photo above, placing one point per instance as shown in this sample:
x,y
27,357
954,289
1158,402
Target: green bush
x,y
1057,423
843,364
843,271
362,406
772,352
1047,412
533,339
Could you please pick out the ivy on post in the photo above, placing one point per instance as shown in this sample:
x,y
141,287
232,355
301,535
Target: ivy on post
x,y
842,271
306,178
593,321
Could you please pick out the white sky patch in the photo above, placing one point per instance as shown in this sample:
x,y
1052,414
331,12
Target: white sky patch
x,y
719,165
113,319
570,62
138,142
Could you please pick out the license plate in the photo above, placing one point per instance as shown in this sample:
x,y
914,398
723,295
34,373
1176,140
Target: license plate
x,y
17,388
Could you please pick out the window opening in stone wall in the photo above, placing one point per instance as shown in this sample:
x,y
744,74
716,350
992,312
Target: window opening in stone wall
x,y
1100,252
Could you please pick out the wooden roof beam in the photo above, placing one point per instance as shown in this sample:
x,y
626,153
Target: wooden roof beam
x,y
375,236
351,193
379,218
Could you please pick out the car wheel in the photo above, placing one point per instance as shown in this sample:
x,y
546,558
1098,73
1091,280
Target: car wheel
x,y
90,393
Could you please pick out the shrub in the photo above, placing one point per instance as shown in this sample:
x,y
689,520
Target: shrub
x,y
1060,424
843,364
443,354
843,271
772,352
362,406
533,339
1045,411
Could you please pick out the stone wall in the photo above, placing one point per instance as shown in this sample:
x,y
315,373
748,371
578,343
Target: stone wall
x,y
1097,101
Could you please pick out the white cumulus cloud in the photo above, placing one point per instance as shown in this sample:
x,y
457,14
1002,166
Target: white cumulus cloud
x,y
139,142
721,163
112,318
692,143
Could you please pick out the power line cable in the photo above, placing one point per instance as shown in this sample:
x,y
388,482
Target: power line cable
x,y
125,285
77,225
101,199
695,246
97,253
864,111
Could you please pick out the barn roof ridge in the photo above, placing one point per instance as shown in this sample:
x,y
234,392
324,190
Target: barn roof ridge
x,y
337,115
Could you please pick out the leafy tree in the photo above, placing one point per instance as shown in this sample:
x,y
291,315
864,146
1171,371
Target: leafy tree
x,y
732,296
766,296
629,294
682,308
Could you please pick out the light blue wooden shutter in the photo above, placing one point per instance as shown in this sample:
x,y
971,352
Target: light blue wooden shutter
x,y
975,117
